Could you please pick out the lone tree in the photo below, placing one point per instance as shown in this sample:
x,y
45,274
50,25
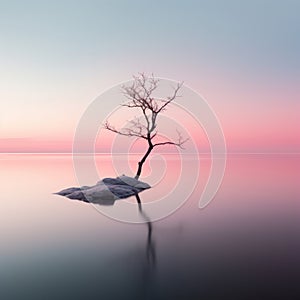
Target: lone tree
x,y
140,95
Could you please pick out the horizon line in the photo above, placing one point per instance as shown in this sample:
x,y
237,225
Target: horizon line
x,y
138,153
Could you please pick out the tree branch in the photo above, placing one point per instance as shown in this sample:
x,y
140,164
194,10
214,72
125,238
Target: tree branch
x,y
140,95
126,131
171,98
179,143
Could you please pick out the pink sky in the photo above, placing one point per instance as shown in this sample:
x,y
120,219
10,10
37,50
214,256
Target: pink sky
x,y
254,118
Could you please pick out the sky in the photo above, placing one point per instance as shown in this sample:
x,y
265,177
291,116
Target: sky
x,y
243,57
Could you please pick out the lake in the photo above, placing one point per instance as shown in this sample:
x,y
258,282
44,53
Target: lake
x,y
244,245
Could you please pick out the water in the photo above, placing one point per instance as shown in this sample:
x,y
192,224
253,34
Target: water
x,y
244,245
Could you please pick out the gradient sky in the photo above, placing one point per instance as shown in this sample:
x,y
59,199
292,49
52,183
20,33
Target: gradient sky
x,y
242,56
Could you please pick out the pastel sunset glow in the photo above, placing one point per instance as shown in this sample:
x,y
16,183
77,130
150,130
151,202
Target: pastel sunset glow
x,y
242,57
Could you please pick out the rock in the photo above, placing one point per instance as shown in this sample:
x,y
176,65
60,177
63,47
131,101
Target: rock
x,y
78,195
106,191
122,191
68,191
134,182
100,190
112,181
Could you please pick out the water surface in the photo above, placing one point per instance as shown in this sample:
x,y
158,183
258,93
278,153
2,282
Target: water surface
x,y
244,245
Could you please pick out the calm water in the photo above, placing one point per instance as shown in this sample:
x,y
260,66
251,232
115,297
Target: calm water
x,y
244,245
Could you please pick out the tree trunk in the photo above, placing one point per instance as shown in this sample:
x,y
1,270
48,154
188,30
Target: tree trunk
x,y
141,162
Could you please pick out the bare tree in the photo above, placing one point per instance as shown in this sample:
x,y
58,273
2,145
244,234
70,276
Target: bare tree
x,y
140,95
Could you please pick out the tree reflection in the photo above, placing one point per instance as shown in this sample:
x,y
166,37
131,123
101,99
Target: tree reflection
x,y
150,246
